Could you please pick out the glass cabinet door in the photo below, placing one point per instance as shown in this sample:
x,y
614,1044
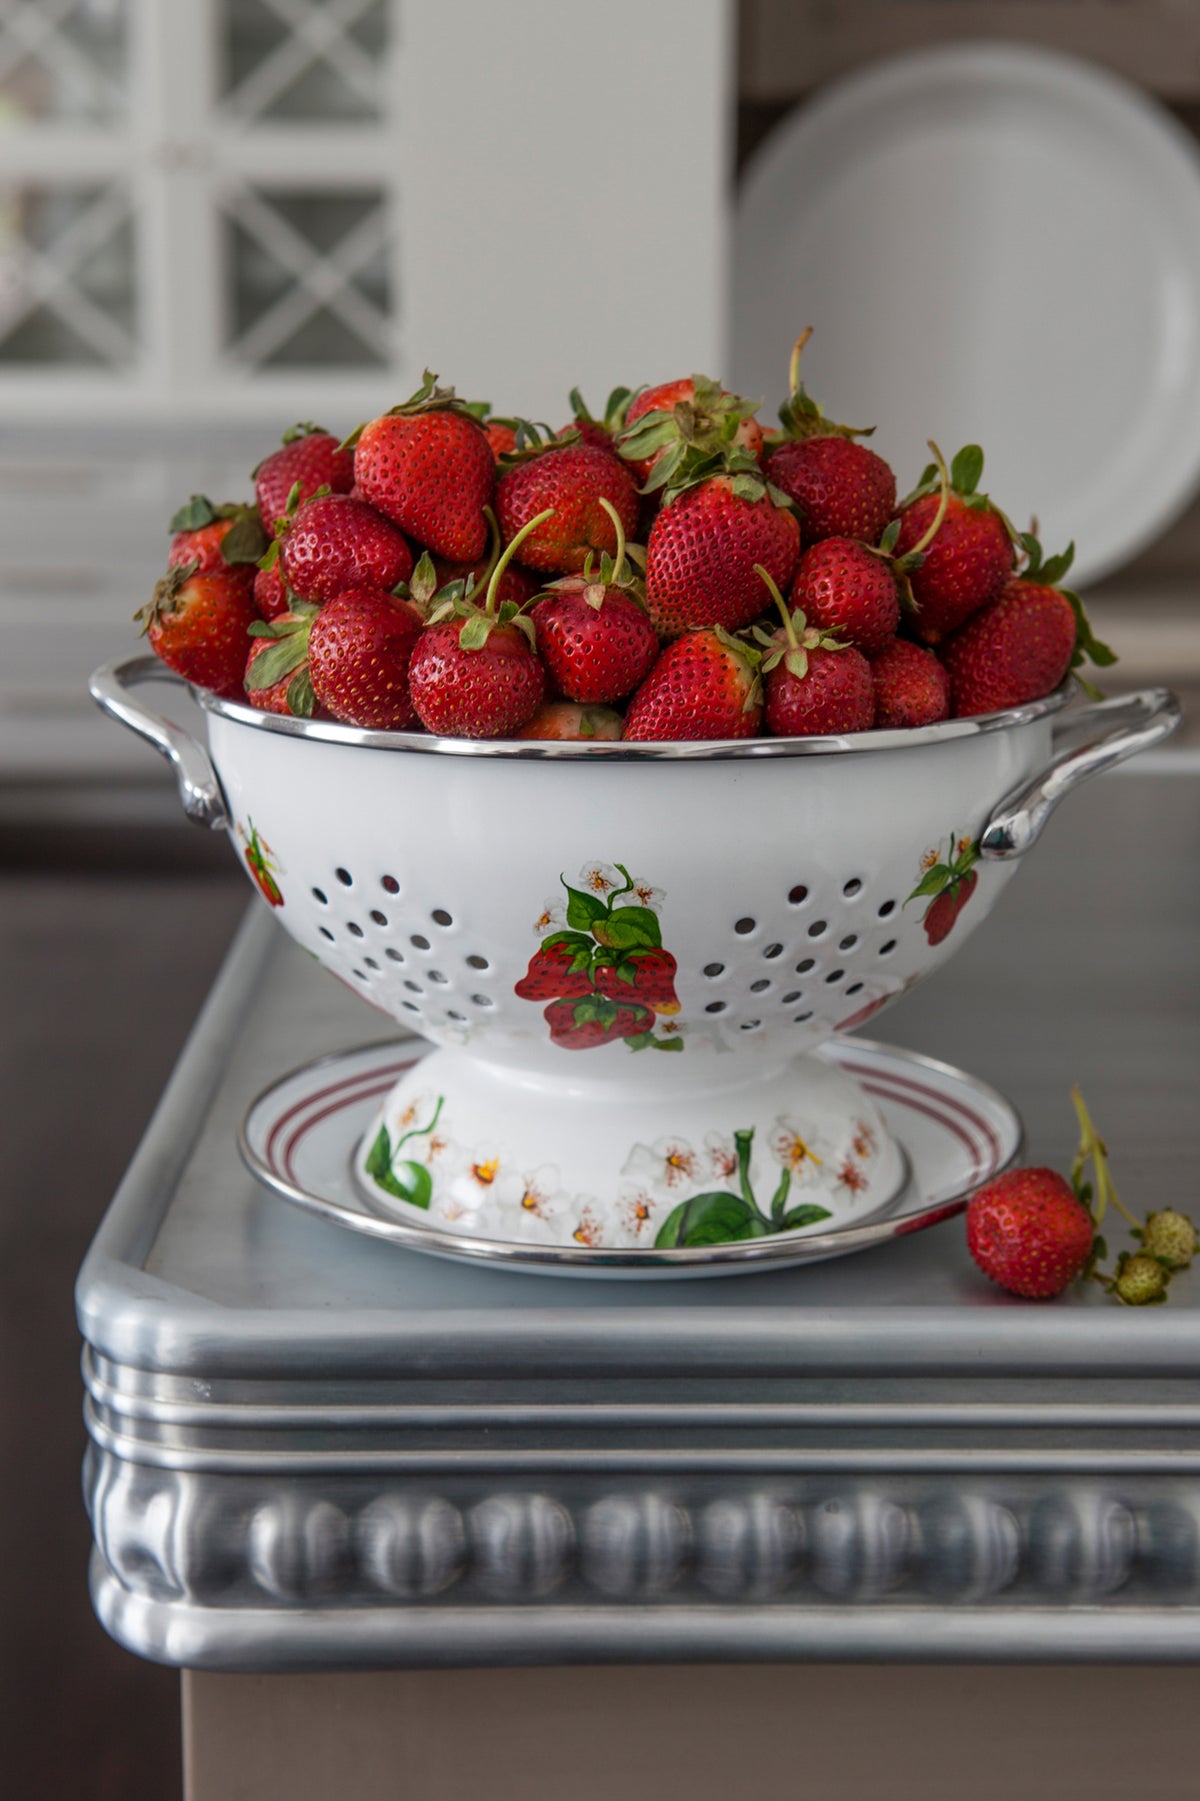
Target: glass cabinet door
x,y
197,200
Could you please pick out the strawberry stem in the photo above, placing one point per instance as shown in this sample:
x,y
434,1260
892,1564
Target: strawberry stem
x,y
1092,1146
619,564
931,532
794,364
485,574
510,550
777,597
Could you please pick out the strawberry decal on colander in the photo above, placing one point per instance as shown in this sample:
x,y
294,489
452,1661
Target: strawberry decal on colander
x,y
261,864
601,965
950,882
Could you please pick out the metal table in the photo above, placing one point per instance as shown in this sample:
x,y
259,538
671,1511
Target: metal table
x,y
312,1451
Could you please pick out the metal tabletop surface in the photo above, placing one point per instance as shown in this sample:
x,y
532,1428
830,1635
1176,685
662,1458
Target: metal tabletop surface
x,y
311,1449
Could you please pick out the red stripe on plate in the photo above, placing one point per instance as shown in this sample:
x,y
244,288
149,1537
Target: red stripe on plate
x,y
310,1100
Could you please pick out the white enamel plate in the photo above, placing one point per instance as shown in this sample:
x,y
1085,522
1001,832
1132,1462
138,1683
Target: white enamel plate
x,y
994,244
299,1138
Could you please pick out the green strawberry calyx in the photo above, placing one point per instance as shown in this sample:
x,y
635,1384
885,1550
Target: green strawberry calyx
x,y
428,398
165,597
747,661
798,636
695,440
966,472
800,415
287,655
1048,572
615,409
480,621
245,540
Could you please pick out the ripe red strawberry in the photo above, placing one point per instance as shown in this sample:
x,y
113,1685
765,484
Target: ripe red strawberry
x,y
310,457
572,482
704,685
568,723
702,553
271,595
474,673
664,423
840,488
277,678
843,587
911,686
1015,649
644,976
814,683
197,621
970,556
1029,1232
501,435
428,466
333,543
215,537
948,883
593,632
359,652
584,1025
558,971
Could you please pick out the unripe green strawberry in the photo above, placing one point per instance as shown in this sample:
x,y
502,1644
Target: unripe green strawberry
x,y
1170,1237
1140,1280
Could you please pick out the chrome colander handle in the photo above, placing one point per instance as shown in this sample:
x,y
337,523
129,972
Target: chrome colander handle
x,y
1087,741
199,786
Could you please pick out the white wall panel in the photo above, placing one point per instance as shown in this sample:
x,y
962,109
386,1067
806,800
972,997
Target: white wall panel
x,y
564,193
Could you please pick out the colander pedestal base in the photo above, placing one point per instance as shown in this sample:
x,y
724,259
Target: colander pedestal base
x,y
545,1158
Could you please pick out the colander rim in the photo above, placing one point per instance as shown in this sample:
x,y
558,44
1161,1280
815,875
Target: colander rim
x,y
698,750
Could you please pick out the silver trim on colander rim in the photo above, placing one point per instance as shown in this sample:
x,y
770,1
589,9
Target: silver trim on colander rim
x,y
700,750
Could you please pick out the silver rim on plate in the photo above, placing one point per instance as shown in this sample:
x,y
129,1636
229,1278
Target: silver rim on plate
x,y
893,1221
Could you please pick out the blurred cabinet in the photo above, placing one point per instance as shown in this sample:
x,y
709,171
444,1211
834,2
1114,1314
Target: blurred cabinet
x,y
197,202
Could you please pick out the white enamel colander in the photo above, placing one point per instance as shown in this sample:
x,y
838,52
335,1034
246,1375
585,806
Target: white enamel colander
x,y
619,946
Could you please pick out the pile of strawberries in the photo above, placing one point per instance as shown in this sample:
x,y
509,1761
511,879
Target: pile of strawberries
x,y
671,571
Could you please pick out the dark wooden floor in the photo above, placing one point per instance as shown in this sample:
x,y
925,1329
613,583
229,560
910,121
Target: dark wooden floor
x,y
107,947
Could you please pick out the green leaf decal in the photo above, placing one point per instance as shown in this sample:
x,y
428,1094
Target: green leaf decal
x,y
808,1215
379,1157
583,910
628,928
717,1218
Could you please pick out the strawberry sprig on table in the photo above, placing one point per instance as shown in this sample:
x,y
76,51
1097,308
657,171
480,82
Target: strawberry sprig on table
x,y
671,570
1035,1232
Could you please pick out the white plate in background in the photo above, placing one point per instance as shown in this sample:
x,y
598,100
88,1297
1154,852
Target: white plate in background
x,y
996,244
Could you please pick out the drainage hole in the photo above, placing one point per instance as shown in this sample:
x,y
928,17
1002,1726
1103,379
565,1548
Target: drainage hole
x,y
798,895
344,877
421,943
440,917
757,987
